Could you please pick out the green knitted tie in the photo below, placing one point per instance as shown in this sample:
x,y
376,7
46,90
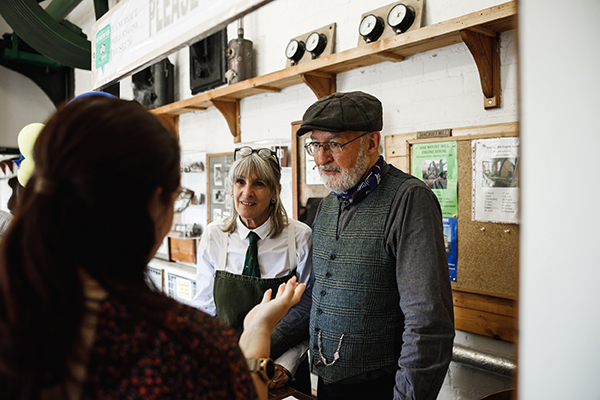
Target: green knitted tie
x,y
251,267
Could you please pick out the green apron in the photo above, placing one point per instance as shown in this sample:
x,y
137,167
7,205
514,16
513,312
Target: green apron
x,y
235,295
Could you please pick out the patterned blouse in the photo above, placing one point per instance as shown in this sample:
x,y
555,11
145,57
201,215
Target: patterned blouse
x,y
134,359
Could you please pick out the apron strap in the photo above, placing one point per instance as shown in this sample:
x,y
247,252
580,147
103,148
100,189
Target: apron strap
x,y
292,245
223,252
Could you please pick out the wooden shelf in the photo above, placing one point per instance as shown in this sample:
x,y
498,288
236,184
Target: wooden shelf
x,y
480,30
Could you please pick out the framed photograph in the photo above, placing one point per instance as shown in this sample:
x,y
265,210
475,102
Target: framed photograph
x,y
218,188
218,175
219,196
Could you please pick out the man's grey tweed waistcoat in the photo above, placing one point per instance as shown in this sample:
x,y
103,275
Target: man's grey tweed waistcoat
x,y
355,292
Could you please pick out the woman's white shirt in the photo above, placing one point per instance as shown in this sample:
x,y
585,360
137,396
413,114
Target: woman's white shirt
x,y
272,256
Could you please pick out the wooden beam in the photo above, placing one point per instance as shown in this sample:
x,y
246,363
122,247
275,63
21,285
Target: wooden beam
x,y
485,314
268,89
483,31
320,85
386,56
495,326
486,52
230,109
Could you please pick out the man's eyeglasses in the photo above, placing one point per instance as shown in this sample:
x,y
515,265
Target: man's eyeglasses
x,y
333,148
184,199
263,153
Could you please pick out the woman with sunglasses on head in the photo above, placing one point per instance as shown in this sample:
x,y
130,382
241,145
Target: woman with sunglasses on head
x,y
77,319
254,249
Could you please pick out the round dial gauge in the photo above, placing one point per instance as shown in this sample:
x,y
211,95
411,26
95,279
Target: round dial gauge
x,y
371,28
294,50
401,17
315,43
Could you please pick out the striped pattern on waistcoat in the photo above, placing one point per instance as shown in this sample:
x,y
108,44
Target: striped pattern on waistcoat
x,y
355,292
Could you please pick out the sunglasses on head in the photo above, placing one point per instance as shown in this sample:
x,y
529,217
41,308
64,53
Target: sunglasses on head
x,y
263,153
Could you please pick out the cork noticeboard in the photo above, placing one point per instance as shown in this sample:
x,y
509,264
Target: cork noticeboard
x,y
487,262
488,252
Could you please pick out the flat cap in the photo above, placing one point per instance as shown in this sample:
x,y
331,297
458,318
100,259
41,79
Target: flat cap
x,y
343,111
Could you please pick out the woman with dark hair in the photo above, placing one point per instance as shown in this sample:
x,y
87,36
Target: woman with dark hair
x,y
256,248
77,320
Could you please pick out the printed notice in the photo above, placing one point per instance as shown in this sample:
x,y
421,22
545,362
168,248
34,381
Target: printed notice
x,y
184,289
495,195
435,164
450,225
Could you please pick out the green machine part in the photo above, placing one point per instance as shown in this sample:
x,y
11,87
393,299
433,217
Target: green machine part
x,y
44,31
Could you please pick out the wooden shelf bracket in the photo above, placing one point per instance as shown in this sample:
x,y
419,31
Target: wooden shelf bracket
x,y
321,84
230,108
171,122
485,49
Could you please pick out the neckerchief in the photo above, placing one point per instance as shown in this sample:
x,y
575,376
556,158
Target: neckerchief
x,y
368,185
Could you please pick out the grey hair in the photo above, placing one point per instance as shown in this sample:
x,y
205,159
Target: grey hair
x,y
268,171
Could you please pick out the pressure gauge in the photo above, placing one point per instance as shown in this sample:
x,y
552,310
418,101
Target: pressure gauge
x,y
315,43
401,17
294,50
371,28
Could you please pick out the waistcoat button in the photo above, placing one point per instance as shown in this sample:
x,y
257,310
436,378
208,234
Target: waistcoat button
x,y
319,311
328,274
323,293
332,256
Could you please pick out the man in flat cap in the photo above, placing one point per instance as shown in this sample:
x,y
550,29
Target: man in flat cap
x,y
381,320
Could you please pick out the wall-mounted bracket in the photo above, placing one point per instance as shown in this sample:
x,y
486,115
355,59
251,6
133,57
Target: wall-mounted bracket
x,y
171,122
267,89
230,108
386,56
195,108
485,48
322,84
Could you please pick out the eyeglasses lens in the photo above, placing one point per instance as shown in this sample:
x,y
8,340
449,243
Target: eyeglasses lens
x,y
313,148
265,153
243,151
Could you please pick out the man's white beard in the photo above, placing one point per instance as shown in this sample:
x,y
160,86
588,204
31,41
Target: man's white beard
x,y
346,179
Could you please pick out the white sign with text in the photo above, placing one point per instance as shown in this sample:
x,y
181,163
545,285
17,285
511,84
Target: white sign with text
x,y
138,33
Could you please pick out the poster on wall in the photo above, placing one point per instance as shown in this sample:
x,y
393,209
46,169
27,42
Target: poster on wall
x,y
450,225
435,164
495,188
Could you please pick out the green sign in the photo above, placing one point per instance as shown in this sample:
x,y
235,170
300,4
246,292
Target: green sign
x,y
435,164
103,47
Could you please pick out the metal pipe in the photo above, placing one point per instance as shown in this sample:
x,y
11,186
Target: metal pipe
x,y
59,9
100,8
487,362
